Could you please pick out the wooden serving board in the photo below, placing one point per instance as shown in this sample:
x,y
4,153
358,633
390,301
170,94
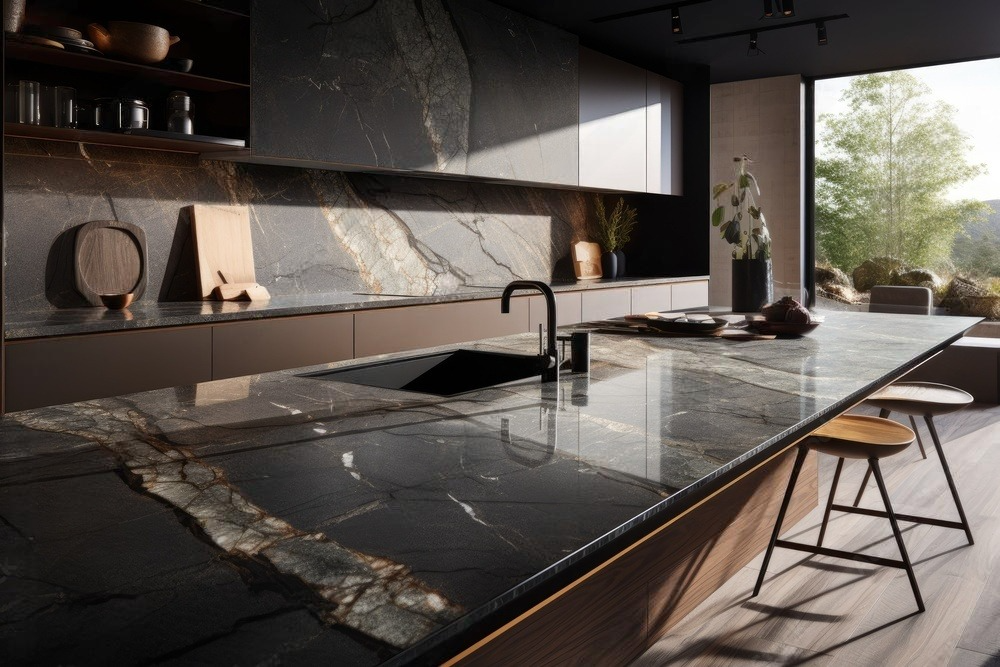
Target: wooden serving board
x,y
586,260
109,258
222,246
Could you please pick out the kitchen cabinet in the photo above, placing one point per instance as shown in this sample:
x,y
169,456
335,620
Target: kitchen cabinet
x,y
75,368
601,304
414,327
479,90
652,299
685,296
245,348
630,127
612,123
569,310
49,371
664,135
218,83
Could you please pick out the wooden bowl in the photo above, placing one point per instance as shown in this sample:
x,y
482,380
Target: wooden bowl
x,y
135,42
117,301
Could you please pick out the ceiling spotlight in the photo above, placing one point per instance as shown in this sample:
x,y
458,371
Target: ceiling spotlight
x,y
821,33
788,7
675,20
752,49
768,8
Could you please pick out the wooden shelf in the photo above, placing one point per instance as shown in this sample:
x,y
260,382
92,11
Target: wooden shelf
x,y
101,65
116,139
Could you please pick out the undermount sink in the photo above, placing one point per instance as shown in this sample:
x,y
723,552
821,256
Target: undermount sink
x,y
442,374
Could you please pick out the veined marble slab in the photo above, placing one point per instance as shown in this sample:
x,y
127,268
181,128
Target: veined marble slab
x,y
284,518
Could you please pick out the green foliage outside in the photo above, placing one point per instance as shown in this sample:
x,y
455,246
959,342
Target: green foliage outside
x,y
976,252
881,189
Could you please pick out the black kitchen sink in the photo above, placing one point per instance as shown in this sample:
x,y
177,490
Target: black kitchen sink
x,y
442,374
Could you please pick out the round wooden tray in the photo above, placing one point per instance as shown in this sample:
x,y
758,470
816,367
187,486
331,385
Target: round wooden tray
x,y
110,258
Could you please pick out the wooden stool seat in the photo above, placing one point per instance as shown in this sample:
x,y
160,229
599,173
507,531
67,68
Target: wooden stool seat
x,y
920,398
860,437
924,399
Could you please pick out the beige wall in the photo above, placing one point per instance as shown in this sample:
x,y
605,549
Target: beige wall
x,y
764,118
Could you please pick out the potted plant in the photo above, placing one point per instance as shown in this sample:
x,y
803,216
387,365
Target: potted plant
x,y
741,223
612,231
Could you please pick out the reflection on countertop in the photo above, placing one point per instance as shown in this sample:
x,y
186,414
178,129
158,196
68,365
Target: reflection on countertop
x,y
282,518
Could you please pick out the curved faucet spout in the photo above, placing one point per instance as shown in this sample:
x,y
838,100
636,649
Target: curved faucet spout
x,y
551,372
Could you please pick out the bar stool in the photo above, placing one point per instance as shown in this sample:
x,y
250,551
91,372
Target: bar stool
x,y
853,437
925,399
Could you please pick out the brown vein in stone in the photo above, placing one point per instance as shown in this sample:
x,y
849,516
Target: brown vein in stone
x,y
372,595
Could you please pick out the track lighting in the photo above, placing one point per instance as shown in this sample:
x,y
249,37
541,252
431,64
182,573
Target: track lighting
x,y
821,33
768,9
675,20
788,7
818,22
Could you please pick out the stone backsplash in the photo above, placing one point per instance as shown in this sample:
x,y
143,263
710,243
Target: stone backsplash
x,y
313,231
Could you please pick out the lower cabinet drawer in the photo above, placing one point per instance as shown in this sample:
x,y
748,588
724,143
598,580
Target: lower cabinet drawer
x,y
74,368
600,304
652,299
415,327
246,348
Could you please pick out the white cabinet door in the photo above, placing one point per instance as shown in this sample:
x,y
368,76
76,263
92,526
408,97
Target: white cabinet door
x,y
664,108
612,123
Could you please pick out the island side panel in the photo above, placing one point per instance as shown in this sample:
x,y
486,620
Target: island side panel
x,y
614,613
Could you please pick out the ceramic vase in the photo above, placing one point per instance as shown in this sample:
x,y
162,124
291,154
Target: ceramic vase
x,y
620,258
609,265
753,285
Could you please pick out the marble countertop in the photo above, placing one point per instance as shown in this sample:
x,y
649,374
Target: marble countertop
x,y
147,313
289,519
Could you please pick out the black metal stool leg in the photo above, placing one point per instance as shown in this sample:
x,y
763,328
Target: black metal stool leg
x,y
800,457
829,501
873,463
916,432
947,474
884,414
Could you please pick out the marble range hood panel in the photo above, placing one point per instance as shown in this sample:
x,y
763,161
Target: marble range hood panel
x,y
462,88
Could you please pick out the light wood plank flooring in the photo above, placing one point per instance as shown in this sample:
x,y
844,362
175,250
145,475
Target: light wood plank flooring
x,y
814,610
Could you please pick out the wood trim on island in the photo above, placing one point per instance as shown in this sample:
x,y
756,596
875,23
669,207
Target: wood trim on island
x,y
613,613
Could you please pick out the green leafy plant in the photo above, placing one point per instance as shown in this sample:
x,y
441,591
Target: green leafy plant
x,y
613,230
740,221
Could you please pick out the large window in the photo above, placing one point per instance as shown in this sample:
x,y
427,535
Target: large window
x,y
907,181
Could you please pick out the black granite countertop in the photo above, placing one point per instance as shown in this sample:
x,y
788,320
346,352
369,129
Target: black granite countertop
x,y
285,519
147,313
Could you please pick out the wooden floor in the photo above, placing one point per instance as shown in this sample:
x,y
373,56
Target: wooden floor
x,y
815,610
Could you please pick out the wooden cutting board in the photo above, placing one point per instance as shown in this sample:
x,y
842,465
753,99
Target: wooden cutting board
x,y
109,258
222,246
586,260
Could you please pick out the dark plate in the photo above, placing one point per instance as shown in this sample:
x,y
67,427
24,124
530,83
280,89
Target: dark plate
x,y
783,328
712,327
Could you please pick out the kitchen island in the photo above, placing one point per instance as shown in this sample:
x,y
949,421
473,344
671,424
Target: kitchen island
x,y
289,519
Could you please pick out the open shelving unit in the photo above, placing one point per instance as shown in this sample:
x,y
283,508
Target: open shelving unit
x,y
215,37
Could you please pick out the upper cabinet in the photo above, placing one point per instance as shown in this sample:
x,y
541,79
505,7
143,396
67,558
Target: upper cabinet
x,y
630,127
121,95
461,87
612,123
664,135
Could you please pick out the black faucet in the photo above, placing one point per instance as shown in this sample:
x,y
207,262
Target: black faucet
x,y
550,359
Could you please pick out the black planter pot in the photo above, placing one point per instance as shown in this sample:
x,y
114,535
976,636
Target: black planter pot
x,y
752,285
620,257
609,265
